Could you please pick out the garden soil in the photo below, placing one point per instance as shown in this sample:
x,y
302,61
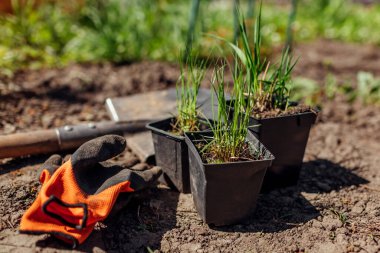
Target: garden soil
x,y
334,208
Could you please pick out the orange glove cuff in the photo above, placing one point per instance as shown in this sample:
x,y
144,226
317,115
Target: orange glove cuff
x,y
64,210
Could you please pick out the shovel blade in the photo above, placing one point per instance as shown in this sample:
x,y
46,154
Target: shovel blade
x,y
152,106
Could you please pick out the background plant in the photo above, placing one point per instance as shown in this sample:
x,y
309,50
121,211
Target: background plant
x,y
368,90
365,89
123,30
33,38
55,34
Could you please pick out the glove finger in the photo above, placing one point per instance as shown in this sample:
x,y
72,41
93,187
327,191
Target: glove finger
x,y
98,150
139,180
50,165
145,179
140,167
66,158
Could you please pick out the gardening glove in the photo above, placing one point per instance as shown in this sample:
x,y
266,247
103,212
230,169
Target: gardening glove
x,y
76,195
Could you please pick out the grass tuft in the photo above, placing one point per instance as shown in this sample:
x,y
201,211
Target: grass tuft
x,y
228,143
188,85
268,85
343,217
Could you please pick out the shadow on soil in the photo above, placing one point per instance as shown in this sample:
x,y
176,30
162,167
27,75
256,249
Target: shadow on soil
x,y
138,227
276,211
59,93
322,175
19,163
14,164
286,208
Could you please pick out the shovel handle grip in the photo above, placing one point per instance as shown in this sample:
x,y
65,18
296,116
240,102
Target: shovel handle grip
x,y
31,143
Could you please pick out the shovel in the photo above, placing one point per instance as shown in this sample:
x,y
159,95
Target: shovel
x,y
129,116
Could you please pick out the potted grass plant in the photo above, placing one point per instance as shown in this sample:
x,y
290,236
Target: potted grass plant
x,y
171,152
228,163
281,125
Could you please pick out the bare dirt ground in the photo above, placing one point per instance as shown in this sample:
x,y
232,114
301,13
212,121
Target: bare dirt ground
x,y
334,208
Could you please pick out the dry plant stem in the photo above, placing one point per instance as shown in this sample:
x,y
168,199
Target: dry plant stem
x,y
214,154
264,77
176,128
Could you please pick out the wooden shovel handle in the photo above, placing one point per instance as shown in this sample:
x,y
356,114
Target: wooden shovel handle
x,y
36,142
62,138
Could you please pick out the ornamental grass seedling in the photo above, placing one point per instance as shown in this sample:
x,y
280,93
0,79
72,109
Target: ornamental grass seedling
x,y
268,86
189,82
228,143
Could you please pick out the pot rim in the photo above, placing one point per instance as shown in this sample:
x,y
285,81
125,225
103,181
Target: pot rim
x,y
163,132
166,133
270,158
313,110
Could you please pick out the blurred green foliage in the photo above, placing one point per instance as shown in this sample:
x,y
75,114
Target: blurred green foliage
x,y
365,89
128,30
32,38
125,30
368,89
339,19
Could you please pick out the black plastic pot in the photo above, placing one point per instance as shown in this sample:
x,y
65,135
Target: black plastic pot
x,y
171,154
286,138
225,193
